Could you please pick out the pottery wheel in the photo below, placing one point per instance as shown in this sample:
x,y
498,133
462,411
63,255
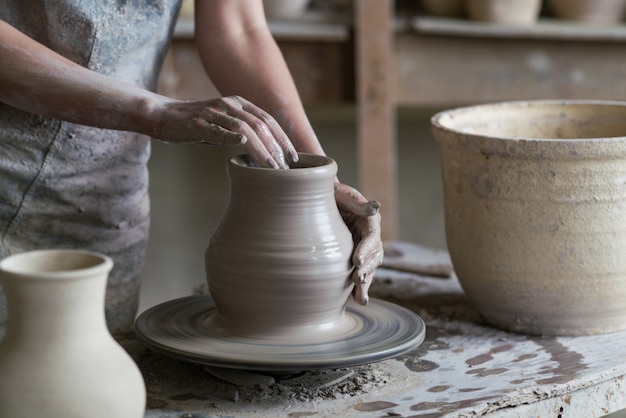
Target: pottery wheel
x,y
181,328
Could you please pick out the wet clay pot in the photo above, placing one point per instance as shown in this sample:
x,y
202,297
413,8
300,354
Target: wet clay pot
x,y
57,358
278,265
535,212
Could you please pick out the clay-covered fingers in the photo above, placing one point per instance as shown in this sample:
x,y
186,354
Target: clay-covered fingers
x,y
368,255
363,218
268,144
229,121
360,292
351,200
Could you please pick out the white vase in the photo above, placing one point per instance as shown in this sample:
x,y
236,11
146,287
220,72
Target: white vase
x,y
57,358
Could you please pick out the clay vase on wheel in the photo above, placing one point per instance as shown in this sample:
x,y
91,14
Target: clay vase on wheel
x,y
57,358
278,264
535,212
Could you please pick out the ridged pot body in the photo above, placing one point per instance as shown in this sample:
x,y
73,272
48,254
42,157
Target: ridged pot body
x,y
57,358
535,212
279,259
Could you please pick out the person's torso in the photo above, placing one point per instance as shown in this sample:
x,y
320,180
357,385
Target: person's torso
x,y
68,170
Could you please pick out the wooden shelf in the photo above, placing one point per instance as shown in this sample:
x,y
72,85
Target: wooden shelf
x,y
439,63
312,27
545,29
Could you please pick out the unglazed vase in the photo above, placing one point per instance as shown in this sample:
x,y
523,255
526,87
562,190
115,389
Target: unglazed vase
x,y
278,264
506,12
589,11
57,358
535,212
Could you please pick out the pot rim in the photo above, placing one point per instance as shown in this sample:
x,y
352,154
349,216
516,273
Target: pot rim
x,y
308,164
13,265
437,123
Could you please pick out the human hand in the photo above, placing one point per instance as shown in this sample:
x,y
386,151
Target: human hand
x,y
363,219
228,121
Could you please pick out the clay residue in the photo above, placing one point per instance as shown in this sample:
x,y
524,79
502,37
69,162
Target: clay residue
x,y
173,384
568,363
483,358
374,406
448,407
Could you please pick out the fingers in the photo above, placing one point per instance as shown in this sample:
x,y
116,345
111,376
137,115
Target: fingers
x,y
265,137
363,219
278,134
363,273
368,255
229,121
360,292
351,200
259,143
212,131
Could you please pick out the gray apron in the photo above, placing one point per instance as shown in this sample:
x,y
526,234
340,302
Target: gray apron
x,y
69,186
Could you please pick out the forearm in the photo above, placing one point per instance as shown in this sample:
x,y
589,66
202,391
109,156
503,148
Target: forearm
x,y
241,58
35,79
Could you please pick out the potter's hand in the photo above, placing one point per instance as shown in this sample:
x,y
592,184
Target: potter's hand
x,y
363,219
230,121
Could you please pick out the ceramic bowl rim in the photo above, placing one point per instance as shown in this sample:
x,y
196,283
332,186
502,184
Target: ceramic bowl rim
x,y
436,120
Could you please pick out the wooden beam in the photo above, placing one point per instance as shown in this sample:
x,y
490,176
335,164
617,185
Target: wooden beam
x,y
376,136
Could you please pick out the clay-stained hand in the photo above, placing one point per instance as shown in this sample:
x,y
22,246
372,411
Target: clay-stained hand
x,y
363,220
229,121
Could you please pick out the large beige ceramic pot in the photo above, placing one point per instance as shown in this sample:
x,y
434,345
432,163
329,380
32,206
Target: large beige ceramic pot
x,y
278,265
535,212
57,359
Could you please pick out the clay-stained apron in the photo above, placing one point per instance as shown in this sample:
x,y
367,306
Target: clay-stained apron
x,y
65,185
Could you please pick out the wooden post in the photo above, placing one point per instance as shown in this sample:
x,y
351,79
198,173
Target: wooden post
x,y
376,122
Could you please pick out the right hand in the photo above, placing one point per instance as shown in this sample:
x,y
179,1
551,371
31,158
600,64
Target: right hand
x,y
229,121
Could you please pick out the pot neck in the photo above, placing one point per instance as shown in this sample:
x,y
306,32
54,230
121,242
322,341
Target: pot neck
x,y
43,307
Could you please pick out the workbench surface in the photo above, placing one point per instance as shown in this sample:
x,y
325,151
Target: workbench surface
x,y
464,368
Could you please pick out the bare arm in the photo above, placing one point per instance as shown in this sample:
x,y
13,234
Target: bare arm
x,y
35,79
242,58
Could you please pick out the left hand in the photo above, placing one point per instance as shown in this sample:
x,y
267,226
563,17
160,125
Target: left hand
x,y
362,218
